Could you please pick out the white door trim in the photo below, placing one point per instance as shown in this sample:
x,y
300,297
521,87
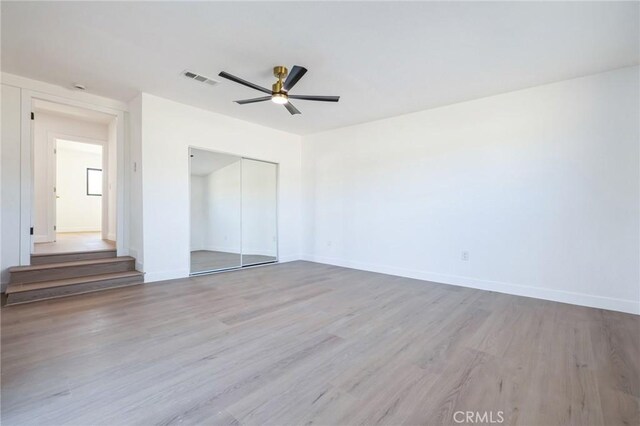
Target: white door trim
x,y
26,170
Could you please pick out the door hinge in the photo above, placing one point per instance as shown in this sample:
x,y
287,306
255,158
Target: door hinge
x,y
55,150
54,227
33,116
31,231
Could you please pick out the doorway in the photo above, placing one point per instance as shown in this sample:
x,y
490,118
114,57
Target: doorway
x,y
74,179
76,202
233,205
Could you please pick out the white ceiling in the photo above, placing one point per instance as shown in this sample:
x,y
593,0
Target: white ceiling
x,y
205,162
383,58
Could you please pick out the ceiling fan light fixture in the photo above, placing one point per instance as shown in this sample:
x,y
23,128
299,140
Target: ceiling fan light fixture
x,y
279,93
279,98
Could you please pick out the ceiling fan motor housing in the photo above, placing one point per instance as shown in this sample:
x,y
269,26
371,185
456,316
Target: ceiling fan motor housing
x,y
281,73
277,87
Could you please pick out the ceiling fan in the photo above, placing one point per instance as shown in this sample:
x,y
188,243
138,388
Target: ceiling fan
x,y
279,92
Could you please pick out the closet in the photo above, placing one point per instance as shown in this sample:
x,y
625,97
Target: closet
x,y
234,211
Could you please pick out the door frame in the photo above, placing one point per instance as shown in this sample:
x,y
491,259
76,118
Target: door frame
x,y
27,176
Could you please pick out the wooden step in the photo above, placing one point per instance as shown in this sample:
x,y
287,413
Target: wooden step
x,y
31,292
72,256
63,270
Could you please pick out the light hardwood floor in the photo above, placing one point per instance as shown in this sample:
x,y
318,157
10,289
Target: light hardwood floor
x,y
74,241
301,343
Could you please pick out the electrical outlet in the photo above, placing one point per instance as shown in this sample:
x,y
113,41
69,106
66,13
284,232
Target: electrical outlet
x,y
465,255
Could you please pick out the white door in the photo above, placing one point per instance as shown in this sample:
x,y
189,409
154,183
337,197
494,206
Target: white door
x,y
54,193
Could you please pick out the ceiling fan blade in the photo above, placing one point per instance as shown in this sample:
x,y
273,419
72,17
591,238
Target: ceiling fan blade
x,y
316,98
243,82
296,74
293,110
251,101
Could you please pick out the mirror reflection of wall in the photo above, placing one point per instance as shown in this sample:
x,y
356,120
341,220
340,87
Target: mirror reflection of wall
x,y
215,211
259,212
233,211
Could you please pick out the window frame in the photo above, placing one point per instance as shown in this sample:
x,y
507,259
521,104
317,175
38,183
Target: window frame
x,y
94,169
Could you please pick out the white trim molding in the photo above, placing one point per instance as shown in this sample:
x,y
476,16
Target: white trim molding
x,y
581,299
68,94
165,275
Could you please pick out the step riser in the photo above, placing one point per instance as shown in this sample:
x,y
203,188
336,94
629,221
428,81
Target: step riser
x,y
69,290
71,257
71,272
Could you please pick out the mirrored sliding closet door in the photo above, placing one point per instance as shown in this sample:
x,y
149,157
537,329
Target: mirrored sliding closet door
x,y
216,211
259,212
233,204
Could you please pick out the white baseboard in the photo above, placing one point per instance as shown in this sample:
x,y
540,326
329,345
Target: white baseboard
x,y
165,275
289,258
582,299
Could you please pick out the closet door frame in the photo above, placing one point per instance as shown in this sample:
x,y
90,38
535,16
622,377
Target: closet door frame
x,y
242,157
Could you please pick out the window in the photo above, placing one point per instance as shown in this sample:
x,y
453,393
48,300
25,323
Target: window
x,y
94,182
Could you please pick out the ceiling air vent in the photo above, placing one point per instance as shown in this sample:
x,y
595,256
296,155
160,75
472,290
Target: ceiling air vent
x,y
201,78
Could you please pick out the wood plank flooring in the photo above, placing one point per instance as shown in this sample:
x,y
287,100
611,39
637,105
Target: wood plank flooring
x,y
304,343
74,241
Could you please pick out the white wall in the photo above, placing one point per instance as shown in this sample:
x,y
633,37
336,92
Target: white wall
x,y
167,130
46,127
10,179
540,186
75,210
